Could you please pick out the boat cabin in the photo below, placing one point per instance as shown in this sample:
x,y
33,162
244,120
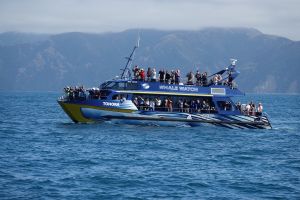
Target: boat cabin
x,y
156,96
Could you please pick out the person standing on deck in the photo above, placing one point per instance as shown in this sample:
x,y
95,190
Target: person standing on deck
x,y
168,77
152,105
153,75
259,109
161,76
149,71
158,103
177,76
170,105
142,75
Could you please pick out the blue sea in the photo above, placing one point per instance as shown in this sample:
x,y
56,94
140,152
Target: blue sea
x,y
44,155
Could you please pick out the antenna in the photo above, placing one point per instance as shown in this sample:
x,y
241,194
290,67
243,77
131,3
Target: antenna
x,y
126,73
233,61
138,40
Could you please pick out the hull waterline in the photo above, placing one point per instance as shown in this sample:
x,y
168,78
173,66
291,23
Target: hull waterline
x,y
81,113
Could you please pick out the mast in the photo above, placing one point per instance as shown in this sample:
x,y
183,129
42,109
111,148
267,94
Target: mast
x,y
126,73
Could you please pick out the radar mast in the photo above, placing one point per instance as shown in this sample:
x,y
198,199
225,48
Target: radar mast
x,y
126,71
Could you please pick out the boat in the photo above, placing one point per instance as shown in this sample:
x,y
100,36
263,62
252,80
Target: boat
x,y
129,99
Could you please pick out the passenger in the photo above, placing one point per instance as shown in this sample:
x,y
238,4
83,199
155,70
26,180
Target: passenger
x,y
136,72
248,108
190,77
227,106
82,94
76,92
239,106
135,101
219,77
198,77
152,105
122,98
193,106
259,109
177,76
68,91
158,103
153,75
172,79
149,74
116,97
252,108
147,104
204,79
180,105
170,105
186,106
141,103
165,105
215,80
199,105
205,106
71,93
142,75
161,76
168,77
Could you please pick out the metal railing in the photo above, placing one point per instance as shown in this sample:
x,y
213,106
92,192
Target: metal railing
x,y
176,109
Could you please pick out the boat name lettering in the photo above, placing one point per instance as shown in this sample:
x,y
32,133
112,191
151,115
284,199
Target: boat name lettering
x,y
168,87
111,103
178,88
188,89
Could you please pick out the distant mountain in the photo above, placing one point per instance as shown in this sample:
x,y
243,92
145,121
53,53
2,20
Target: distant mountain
x,y
50,62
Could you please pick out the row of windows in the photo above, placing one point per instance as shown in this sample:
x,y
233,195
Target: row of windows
x,y
223,105
119,85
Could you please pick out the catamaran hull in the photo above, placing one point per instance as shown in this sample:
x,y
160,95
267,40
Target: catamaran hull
x,y
81,113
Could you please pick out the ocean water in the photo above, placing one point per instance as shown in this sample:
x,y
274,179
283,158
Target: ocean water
x,y
43,155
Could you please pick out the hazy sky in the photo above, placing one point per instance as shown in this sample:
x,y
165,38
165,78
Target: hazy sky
x,y
278,17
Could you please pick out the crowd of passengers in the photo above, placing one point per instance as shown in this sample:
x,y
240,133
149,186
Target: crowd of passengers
x,y
79,93
167,105
75,93
173,77
250,108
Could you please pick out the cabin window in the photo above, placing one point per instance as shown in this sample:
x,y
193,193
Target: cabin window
x,y
218,91
104,94
108,85
116,97
131,86
121,86
119,96
103,85
114,85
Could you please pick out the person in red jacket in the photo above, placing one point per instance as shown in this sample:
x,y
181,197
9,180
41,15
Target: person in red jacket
x,y
142,75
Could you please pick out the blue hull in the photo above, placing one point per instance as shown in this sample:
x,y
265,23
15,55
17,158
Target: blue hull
x,y
153,118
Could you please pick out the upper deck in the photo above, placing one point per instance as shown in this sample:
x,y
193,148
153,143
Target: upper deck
x,y
158,88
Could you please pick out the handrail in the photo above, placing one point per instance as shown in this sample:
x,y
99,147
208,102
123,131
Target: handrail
x,y
182,110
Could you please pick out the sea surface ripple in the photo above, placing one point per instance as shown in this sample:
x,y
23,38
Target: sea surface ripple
x,y
43,155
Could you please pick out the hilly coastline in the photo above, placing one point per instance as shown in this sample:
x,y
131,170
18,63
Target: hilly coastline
x,y
268,64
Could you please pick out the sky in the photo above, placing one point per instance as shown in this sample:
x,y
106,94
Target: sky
x,y
275,17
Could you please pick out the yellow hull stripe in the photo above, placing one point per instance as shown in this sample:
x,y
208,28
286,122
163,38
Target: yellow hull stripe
x,y
74,112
